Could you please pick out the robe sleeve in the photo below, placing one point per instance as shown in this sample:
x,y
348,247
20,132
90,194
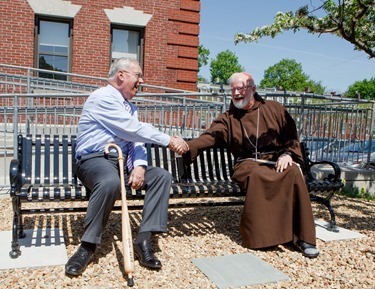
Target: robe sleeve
x,y
215,135
289,138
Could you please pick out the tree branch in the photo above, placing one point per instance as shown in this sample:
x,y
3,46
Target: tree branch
x,y
346,19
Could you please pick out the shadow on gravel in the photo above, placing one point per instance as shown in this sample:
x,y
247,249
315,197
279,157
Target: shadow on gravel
x,y
355,214
352,214
205,220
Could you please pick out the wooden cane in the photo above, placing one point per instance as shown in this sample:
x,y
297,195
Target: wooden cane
x,y
127,242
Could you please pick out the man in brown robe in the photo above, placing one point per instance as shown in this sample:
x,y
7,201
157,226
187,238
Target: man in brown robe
x,y
262,136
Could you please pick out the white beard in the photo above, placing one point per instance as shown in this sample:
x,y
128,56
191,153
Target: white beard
x,y
242,103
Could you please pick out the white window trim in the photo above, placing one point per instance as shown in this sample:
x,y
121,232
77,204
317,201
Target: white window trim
x,y
54,8
128,16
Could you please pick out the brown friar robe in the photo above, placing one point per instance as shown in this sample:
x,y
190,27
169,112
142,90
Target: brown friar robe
x,y
277,205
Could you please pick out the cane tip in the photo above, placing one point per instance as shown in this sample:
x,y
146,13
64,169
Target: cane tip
x,y
130,282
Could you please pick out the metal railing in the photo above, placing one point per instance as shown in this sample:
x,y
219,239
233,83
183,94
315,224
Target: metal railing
x,y
41,106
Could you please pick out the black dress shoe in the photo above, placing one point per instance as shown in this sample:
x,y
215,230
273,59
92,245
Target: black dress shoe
x,y
307,249
144,253
78,262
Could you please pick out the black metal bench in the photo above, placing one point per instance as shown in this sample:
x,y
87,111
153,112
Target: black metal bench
x,y
43,173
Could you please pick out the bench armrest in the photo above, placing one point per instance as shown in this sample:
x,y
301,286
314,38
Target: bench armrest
x,y
14,176
331,177
308,164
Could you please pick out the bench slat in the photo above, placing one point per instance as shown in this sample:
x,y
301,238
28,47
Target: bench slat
x,y
202,174
73,159
224,156
165,159
38,152
26,159
157,156
47,162
65,160
174,166
56,159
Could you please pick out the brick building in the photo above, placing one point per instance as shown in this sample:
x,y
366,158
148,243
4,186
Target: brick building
x,y
83,37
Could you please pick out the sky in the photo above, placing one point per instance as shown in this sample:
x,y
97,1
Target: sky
x,y
325,58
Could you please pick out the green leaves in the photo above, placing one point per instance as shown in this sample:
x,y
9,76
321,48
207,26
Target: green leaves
x,y
203,54
352,20
364,89
288,74
225,64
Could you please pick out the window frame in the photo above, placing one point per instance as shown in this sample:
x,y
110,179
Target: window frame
x,y
38,19
141,31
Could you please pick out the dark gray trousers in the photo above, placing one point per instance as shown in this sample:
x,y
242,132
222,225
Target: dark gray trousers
x,y
100,175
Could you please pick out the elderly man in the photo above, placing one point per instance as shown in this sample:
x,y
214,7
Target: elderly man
x,y
108,116
263,138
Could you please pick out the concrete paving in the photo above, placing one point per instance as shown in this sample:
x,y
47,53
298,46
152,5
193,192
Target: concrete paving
x,y
40,247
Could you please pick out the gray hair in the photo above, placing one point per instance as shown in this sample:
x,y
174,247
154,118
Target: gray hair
x,y
121,64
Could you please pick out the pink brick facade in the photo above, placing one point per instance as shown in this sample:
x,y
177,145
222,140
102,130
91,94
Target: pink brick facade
x,y
170,40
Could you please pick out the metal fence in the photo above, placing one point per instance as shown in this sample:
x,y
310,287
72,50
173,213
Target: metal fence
x,y
33,105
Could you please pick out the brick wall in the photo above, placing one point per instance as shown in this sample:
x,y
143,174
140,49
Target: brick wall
x,y
171,38
16,38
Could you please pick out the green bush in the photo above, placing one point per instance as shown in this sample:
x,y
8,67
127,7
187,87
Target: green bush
x,y
355,192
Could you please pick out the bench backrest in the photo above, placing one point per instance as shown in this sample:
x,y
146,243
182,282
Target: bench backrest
x,y
212,165
48,161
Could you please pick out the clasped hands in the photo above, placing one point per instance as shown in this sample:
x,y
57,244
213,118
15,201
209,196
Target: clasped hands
x,y
178,145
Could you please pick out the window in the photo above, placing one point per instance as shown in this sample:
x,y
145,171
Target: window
x,y
53,47
126,43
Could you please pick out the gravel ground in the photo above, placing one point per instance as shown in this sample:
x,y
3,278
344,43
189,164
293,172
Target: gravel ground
x,y
204,232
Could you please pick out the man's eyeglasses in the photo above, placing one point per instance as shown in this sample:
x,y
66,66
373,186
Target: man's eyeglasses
x,y
240,89
137,75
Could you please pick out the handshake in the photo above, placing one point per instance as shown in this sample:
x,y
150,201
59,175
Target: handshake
x,y
178,145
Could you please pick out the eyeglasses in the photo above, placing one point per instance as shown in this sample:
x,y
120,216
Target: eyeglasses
x,y
240,89
137,75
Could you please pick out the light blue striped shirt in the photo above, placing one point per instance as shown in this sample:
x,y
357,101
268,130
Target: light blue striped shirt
x,y
105,120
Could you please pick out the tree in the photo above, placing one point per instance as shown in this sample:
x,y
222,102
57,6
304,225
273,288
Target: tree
x,y
352,20
203,54
316,87
225,64
288,74
364,89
